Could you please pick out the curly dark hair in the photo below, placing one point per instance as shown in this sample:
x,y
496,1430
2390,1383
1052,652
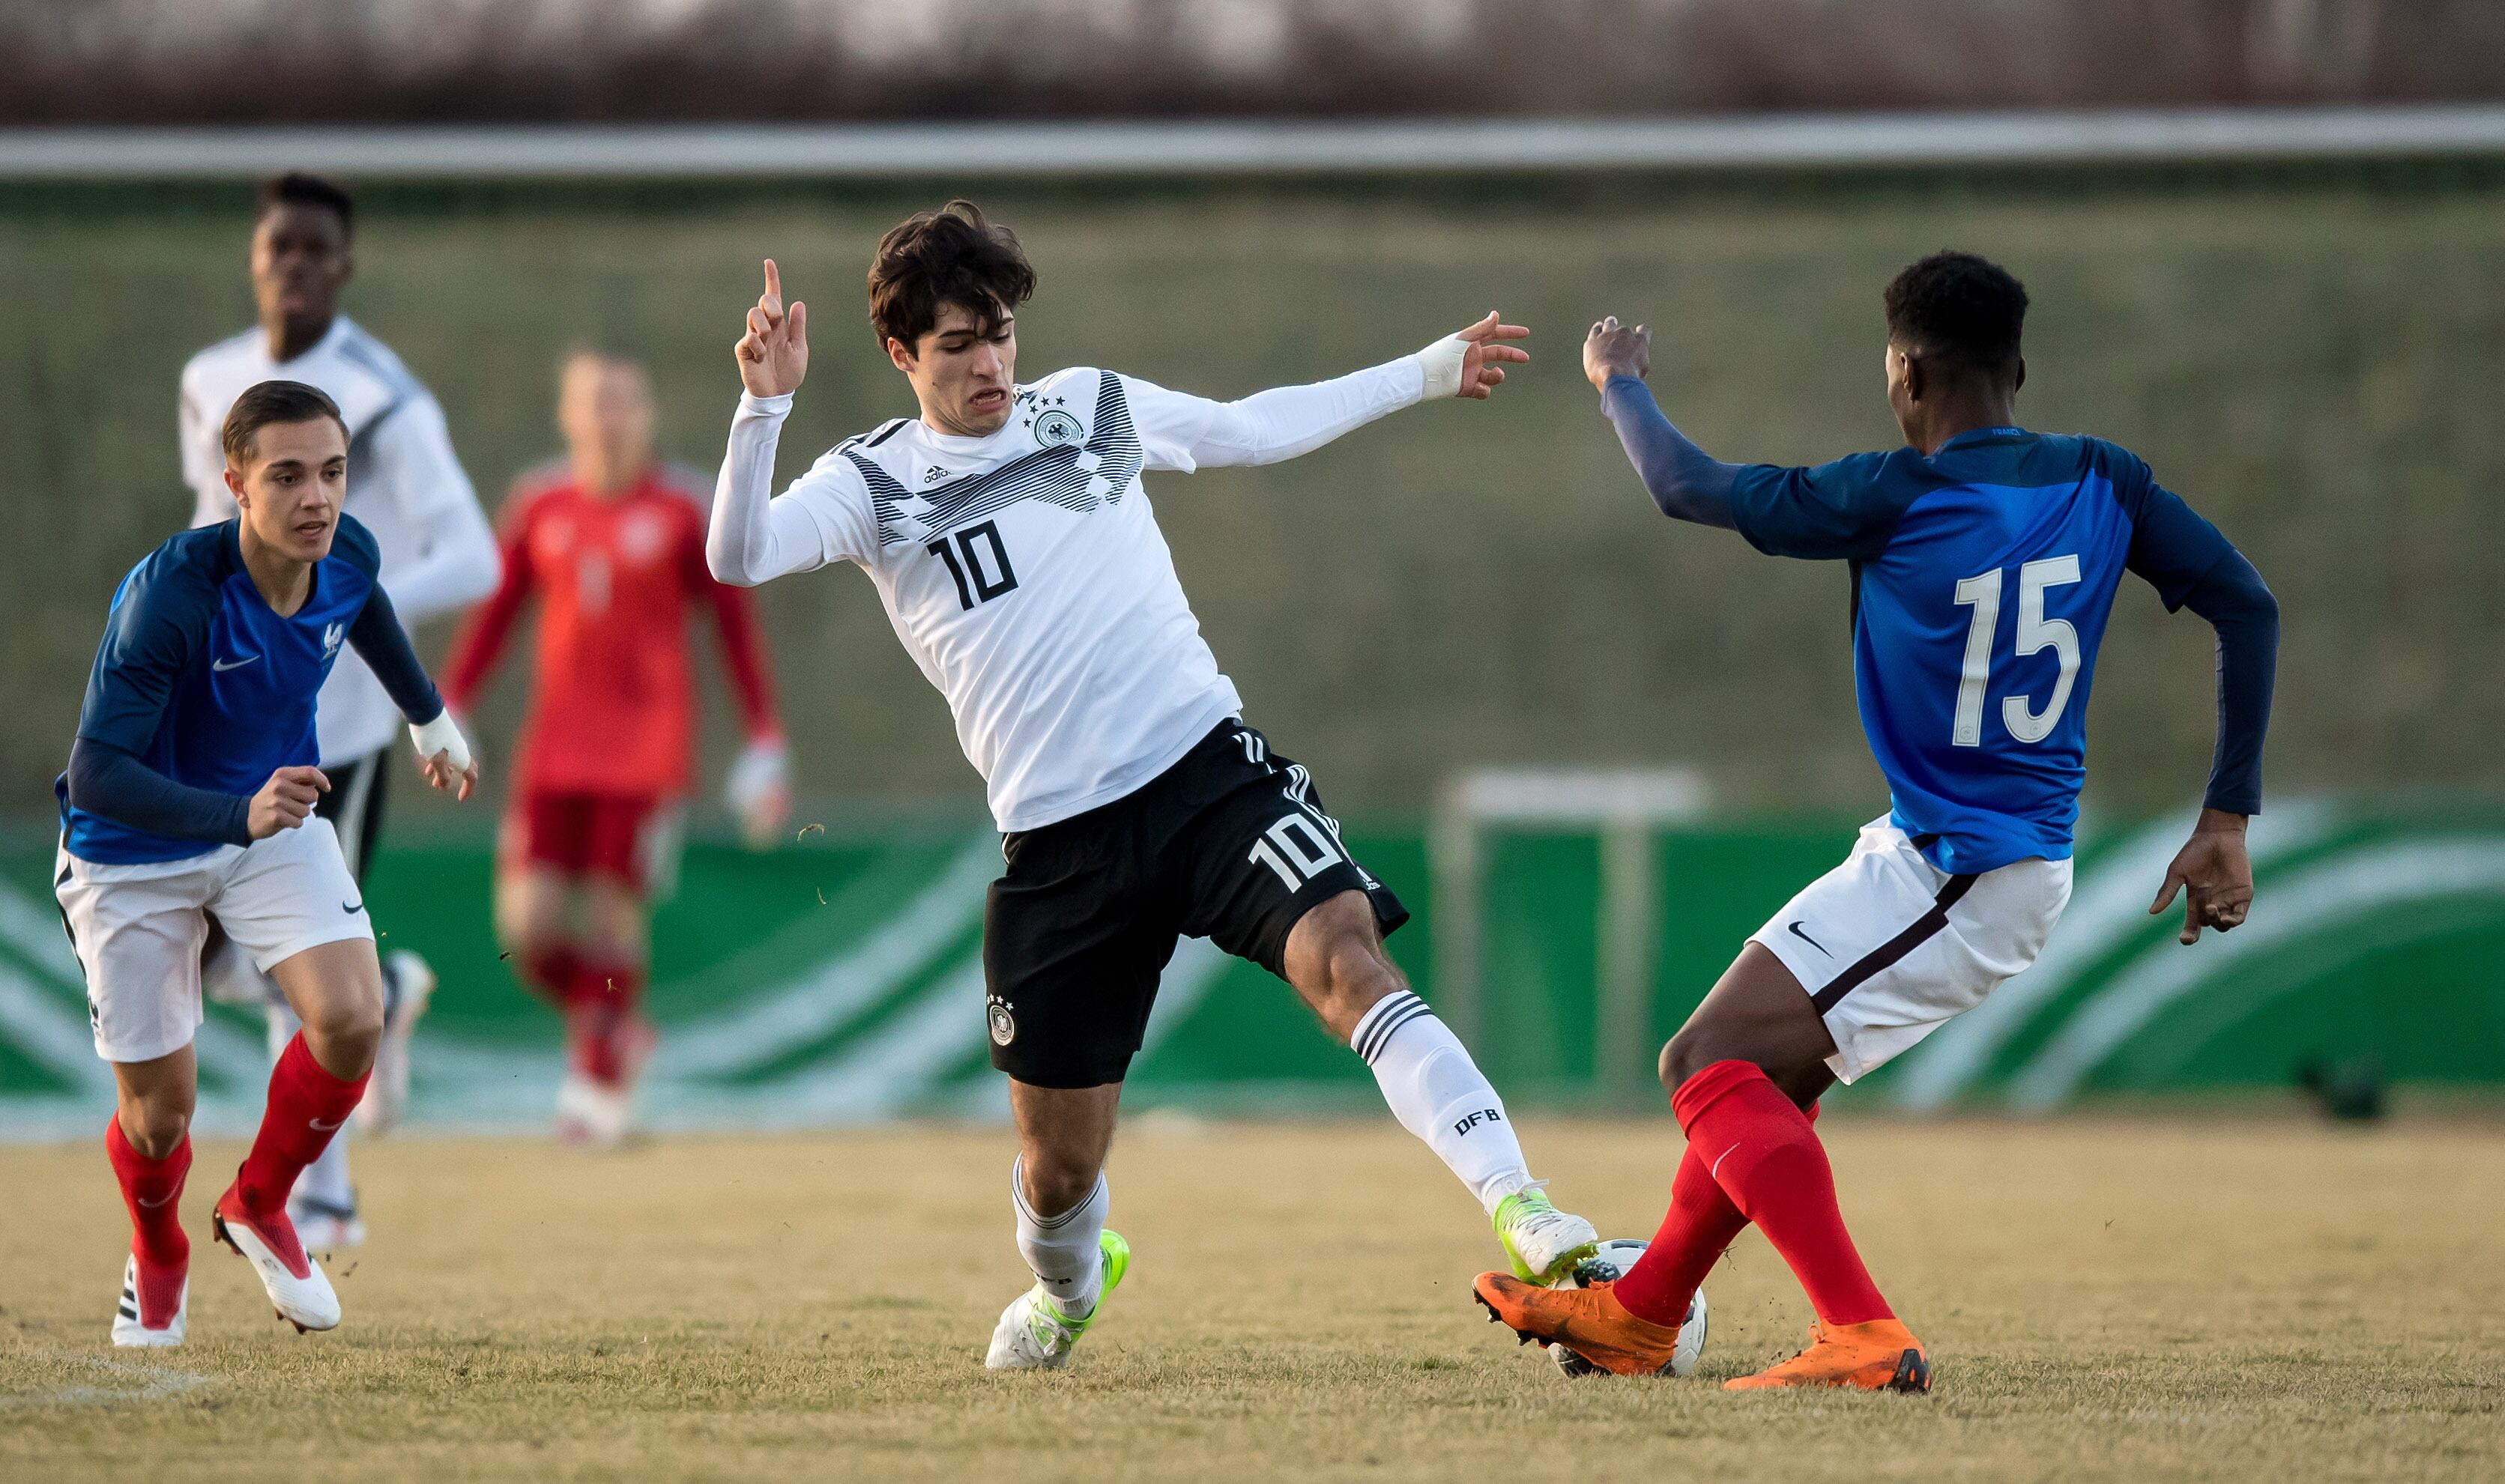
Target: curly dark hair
x,y
298,188
1958,308
951,256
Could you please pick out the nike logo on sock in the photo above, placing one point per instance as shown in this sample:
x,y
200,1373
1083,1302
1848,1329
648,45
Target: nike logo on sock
x,y
159,1201
1813,943
352,908
320,1127
224,665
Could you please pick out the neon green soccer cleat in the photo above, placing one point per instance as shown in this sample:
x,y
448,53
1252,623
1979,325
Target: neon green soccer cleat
x,y
1034,1335
1541,1242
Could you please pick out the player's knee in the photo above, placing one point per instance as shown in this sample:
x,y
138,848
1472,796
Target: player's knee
x,y
1335,958
347,1027
1698,1046
1683,1057
614,943
535,943
1054,1185
155,1127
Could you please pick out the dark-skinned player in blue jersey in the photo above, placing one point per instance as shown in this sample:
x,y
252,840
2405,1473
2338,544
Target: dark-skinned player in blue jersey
x,y
190,795
1984,561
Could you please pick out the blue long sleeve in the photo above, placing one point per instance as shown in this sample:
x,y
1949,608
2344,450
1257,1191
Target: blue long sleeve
x,y
1683,479
105,780
377,636
2239,605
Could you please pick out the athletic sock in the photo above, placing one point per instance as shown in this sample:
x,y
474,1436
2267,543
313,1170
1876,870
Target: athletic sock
x,y
549,974
1438,1094
324,1180
1062,1251
601,1014
152,1189
1767,1158
306,1106
1701,1226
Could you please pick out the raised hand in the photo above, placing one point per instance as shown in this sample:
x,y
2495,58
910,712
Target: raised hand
x,y
1464,364
774,354
1613,350
2214,874
284,802
1481,370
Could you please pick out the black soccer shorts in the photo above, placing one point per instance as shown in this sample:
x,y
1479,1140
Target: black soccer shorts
x,y
1230,844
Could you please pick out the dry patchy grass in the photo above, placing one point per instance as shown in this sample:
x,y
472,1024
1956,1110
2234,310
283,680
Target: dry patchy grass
x,y
2139,1300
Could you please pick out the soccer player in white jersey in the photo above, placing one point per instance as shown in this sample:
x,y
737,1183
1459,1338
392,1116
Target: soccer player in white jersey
x,y
439,555
1013,547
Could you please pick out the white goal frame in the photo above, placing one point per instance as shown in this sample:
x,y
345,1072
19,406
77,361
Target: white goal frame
x,y
1629,808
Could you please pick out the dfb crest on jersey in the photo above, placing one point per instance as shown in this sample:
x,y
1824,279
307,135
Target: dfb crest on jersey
x,y
1003,1024
1056,426
331,635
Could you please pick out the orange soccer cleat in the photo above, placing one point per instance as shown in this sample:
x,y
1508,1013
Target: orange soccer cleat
x,y
1881,1356
1590,1322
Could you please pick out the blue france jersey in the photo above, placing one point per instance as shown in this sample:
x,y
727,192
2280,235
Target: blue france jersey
x,y
1982,579
202,682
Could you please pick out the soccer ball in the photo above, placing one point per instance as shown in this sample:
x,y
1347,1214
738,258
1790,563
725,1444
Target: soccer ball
x,y
1607,1264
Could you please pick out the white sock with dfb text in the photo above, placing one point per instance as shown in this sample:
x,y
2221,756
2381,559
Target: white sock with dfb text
x,y
1062,1251
1439,1094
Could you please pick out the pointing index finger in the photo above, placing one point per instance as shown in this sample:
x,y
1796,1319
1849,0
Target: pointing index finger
x,y
773,279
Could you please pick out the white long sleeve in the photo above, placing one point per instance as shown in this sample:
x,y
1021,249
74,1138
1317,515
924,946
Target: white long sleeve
x,y
1187,432
755,537
453,561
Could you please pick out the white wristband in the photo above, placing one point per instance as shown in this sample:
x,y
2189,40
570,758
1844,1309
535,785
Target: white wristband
x,y
1441,363
442,735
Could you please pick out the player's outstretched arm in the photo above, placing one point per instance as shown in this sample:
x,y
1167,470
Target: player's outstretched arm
x,y
1285,421
754,537
1683,481
2193,566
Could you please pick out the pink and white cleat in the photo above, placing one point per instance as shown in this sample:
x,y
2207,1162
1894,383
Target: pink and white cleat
x,y
154,1302
296,1286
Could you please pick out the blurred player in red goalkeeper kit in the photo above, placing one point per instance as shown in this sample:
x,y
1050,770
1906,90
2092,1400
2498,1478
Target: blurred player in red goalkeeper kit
x,y
613,542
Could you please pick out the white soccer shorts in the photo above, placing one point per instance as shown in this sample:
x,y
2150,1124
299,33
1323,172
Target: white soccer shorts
x,y
1889,946
139,929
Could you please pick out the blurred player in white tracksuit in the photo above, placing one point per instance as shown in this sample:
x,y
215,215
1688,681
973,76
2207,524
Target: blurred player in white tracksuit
x,y
439,555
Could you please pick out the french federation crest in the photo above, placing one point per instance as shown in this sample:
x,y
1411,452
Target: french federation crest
x,y
331,635
1056,426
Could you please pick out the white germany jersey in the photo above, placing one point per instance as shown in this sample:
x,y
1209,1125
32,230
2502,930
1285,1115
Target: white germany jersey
x,y
1025,572
404,483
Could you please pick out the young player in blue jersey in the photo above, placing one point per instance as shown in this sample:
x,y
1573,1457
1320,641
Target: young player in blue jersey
x,y
1983,559
190,795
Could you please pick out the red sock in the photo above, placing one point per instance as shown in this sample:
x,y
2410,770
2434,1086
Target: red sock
x,y
549,974
152,1189
1767,1158
600,1017
1702,1222
306,1106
